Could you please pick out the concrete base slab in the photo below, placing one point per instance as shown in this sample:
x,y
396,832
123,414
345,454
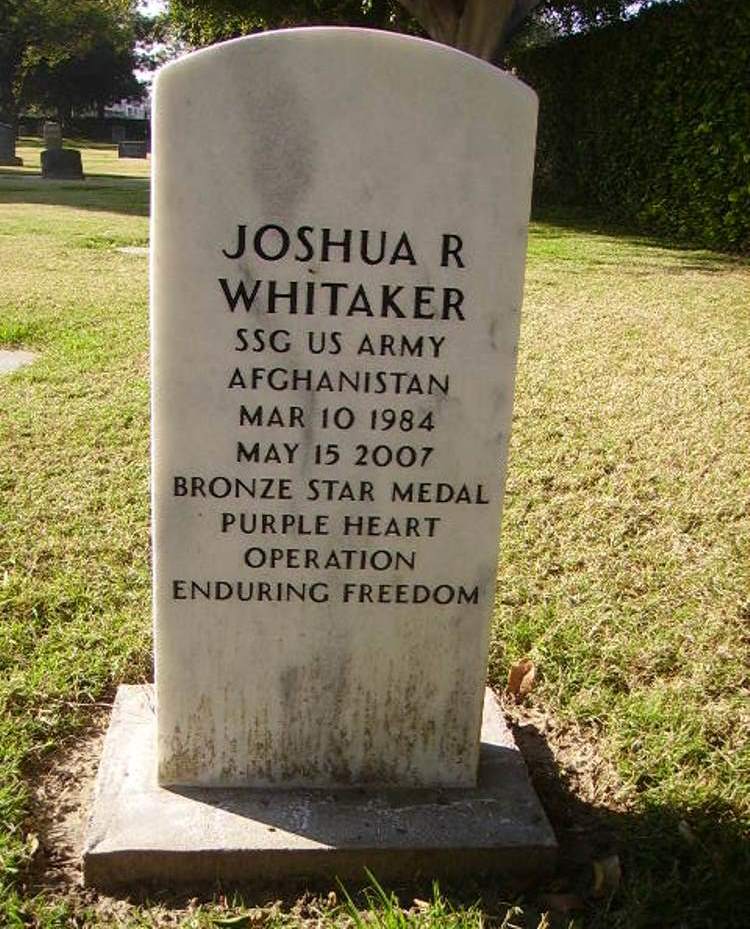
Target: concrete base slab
x,y
13,360
143,834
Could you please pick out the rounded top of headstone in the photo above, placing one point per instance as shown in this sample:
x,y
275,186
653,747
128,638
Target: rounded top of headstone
x,y
281,40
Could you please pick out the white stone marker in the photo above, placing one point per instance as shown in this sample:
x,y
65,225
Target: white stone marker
x,y
339,233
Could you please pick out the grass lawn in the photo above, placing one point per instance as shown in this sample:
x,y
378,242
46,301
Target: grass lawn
x,y
625,570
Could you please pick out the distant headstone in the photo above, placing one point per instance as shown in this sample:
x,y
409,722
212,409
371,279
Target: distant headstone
x,y
8,146
339,234
13,359
51,135
140,250
118,133
132,150
62,164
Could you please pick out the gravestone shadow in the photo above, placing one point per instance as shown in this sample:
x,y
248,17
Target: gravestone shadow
x,y
681,867
335,816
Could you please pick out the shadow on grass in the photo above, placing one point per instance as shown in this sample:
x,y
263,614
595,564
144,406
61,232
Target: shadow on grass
x,y
30,141
681,869
687,868
76,142
695,256
101,192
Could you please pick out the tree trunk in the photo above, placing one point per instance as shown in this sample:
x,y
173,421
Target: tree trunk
x,y
479,27
482,25
65,116
9,108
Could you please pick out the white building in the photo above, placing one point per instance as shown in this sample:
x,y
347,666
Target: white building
x,y
127,109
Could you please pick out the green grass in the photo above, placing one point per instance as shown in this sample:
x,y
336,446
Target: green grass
x,y
626,548
625,569
112,184
73,549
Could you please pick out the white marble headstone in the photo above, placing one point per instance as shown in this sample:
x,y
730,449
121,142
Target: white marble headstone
x,y
339,234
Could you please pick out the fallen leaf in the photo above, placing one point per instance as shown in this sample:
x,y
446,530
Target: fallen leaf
x,y
521,679
607,876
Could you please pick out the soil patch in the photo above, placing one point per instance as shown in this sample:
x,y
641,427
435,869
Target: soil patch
x,y
579,788
61,798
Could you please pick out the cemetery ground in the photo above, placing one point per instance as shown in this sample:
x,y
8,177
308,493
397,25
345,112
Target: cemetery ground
x,y
625,571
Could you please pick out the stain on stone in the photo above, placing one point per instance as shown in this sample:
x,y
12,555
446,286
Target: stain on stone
x,y
493,331
314,707
246,276
284,144
192,753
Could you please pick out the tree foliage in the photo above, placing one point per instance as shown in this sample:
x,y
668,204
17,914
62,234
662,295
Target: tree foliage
x,y
202,22
646,122
61,55
21,26
482,27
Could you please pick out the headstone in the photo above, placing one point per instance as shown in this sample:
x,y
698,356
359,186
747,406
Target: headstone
x,y
118,133
336,309
51,135
8,146
339,234
13,359
132,150
62,164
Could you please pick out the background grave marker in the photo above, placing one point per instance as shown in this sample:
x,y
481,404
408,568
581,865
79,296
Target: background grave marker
x,y
51,135
132,149
8,146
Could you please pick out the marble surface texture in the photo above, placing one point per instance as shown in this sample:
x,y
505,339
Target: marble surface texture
x,y
139,833
338,245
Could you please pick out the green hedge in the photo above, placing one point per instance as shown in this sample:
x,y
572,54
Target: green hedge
x,y
648,121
